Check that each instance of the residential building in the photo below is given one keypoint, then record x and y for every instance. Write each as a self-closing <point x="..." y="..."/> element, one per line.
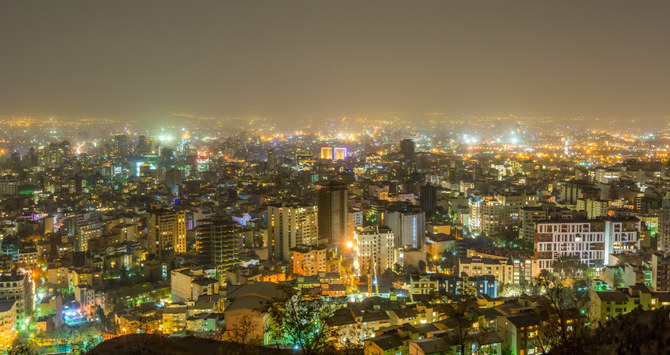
<point x="166" y="232"/>
<point x="174" y="318"/>
<point x="664" y="227"/>
<point x="308" y="261"/>
<point x="501" y="269"/>
<point x="486" y="216"/>
<point x="218" y="242"/>
<point x="528" y="216"/>
<point x="374" y="248"/>
<point x="408" y="224"/>
<point x="660" y="272"/>
<point x="8" y="323"/>
<point x="189" y="284"/>
<point x="519" y="333"/>
<point x="16" y="287"/>
<point x="606" y="305"/>
<point x="592" y="241"/>
<point x="473" y="286"/>
<point x="290" y="225"/>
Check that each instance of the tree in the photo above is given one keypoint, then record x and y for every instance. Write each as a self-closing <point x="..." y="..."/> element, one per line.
<point x="300" y="322"/>
<point x="559" y="308"/>
<point x="388" y="276"/>
<point x="422" y="266"/>
<point x="397" y="268"/>
<point x="242" y="330"/>
<point x="21" y="347"/>
<point x="568" y="267"/>
<point x="511" y="290"/>
<point x="448" y="261"/>
<point x="100" y="313"/>
<point x="464" y="320"/>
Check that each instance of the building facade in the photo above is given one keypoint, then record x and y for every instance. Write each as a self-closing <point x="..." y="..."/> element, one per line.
<point x="166" y="232"/>
<point x="290" y="225"/>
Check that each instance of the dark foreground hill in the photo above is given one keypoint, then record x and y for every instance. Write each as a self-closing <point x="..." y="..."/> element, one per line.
<point x="152" y="344"/>
<point x="638" y="332"/>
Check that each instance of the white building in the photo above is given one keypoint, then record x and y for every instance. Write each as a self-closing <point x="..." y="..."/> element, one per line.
<point x="592" y="241"/>
<point x="373" y="247"/>
<point x="408" y="226"/>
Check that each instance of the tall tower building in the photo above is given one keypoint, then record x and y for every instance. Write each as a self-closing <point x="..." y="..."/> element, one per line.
<point x="290" y="225"/>
<point x="327" y="153"/>
<point x="333" y="209"/>
<point x="407" y="149"/>
<point x="339" y="153"/>
<point x="87" y="227"/>
<point x="218" y="242"/>
<point x="121" y="145"/>
<point x="166" y="231"/>
<point x="428" y="198"/>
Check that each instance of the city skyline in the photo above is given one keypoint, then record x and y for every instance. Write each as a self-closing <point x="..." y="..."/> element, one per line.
<point x="334" y="177"/>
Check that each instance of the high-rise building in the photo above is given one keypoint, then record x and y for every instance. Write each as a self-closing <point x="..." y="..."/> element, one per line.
<point x="56" y="153"/>
<point x="218" y="242"/>
<point x="407" y="149"/>
<point x="87" y="227"/>
<point x="486" y="216"/>
<point x="512" y="203"/>
<point x="166" y="231"/>
<point x="355" y="220"/>
<point x="333" y="153"/>
<point x="142" y="146"/>
<point x="660" y="272"/>
<point x="308" y="261"/>
<point x="332" y="204"/>
<point x="339" y="153"/>
<point x="664" y="227"/>
<point x="121" y="145"/>
<point x="592" y="241"/>
<point x="374" y="247"/>
<point x="327" y="153"/>
<point x="290" y="225"/>
<point x="428" y="198"/>
<point x="408" y="225"/>
<point x="571" y="191"/>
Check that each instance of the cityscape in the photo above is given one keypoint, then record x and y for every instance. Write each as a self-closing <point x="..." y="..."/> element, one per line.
<point x="141" y="218"/>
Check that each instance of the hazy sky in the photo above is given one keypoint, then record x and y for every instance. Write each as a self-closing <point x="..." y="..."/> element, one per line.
<point x="286" y="59"/>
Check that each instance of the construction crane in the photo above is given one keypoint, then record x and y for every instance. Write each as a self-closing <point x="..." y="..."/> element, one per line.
<point x="374" y="266"/>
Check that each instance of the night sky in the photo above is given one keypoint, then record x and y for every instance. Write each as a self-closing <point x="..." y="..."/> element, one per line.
<point x="287" y="59"/>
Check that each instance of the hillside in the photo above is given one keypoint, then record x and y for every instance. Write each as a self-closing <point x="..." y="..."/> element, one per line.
<point x="150" y="344"/>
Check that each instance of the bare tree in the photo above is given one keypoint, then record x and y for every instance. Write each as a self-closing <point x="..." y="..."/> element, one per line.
<point x="241" y="332"/>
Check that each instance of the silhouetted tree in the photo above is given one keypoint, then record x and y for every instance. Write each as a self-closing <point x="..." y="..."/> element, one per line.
<point x="300" y="322"/>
